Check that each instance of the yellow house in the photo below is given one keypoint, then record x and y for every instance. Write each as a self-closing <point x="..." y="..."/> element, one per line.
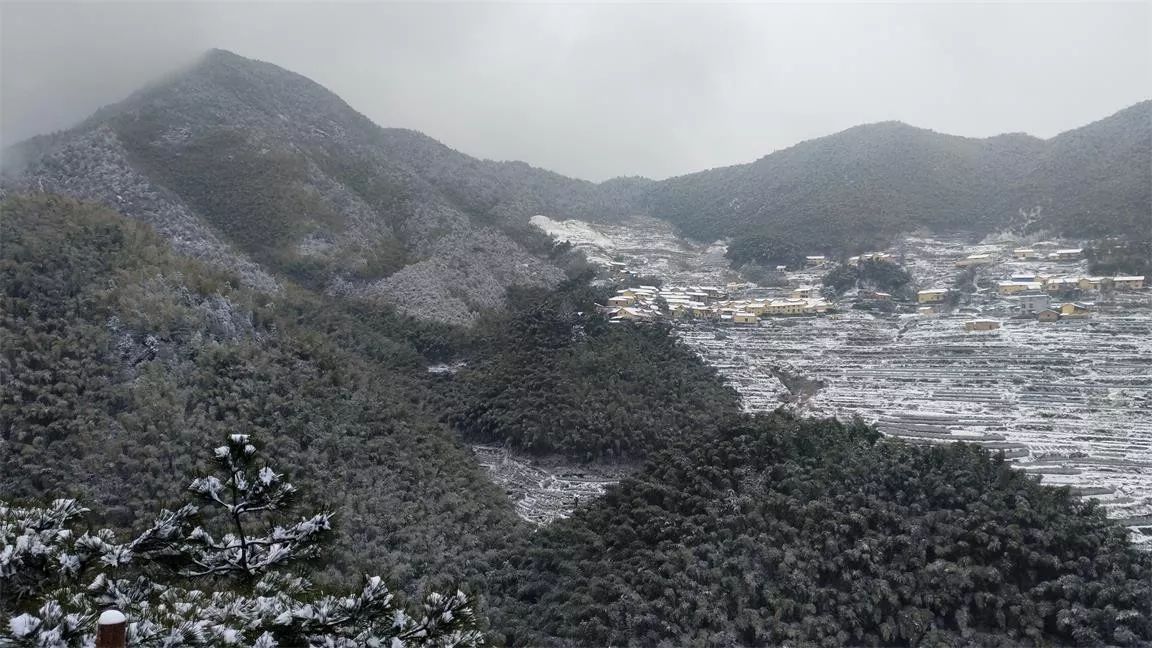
<point x="622" y="300"/>
<point x="931" y="295"/>
<point x="1013" y="287"/>
<point x="1075" y="310"/>
<point x="1063" y="283"/>
<point x="1068" y="254"/>
<point x="981" y="325"/>
<point x="1089" y="283"/>
<point x="757" y="308"/>
<point x="744" y="318"/>
<point x="1025" y="253"/>
<point x="630" y="314"/>
<point x="1048" y="315"/>
<point x="814" y="260"/>
<point x="786" y="307"/>
<point x="1128" y="283"/>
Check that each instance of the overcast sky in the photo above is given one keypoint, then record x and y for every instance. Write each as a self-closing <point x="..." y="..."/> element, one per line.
<point x="596" y="91"/>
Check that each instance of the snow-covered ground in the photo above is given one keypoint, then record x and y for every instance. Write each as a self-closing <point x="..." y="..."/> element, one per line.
<point x="1070" y="401"/>
<point x="649" y="246"/>
<point x="541" y="493"/>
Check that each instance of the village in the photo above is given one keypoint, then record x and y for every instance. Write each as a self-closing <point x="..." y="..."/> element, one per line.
<point x="1046" y="292"/>
<point x="1015" y="347"/>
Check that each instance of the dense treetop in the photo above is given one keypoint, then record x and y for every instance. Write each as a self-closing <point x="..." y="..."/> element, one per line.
<point x="778" y="531"/>
<point x="120" y="359"/>
<point x="555" y="376"/>
<point x="853" y="191"/>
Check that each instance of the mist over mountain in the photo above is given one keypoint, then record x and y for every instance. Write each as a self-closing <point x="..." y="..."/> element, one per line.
<point x="261" y="171"/>
<point x="266" y="173"/>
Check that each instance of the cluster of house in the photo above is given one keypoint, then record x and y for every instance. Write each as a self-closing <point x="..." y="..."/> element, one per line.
<point x="1032" y="294"/>
<point x="1032" y="254"/>
<point x="1033" y="302"/>
<point x="1023" y="254"/>
<point x="650" y="302"/>
<point x="1043" y="283"/>
<point x="1041" y="307"/>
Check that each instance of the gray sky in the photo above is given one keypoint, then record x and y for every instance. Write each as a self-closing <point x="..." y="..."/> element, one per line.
<point x="596" y="91"/>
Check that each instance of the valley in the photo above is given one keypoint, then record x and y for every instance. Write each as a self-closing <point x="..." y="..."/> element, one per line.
<point x="630" y="412"/>
<point x="1069" y="401"/>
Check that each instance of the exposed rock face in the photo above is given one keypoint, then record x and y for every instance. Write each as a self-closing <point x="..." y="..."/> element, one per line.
<point x="268" y="175"/>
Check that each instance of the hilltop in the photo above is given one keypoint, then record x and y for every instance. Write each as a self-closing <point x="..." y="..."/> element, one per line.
<point x="859" y="188"/>
<point x="265" y="173"/>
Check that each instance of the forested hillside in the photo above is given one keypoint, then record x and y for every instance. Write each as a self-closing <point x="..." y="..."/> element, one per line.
<point x="777" y="531"/>
<point x="554" y="376"/>
<point x="1096" y="181"/>
<point x="855" y="190"/>
<point x="261" y="171"/>
<point x="122" y="360"/>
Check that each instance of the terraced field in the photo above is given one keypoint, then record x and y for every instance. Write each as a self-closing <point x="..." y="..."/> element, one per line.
<point x="543" y="493"/>
<point x="1070" y="401"/>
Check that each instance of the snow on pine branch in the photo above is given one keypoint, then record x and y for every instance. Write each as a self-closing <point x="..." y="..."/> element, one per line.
<point x="56" y="579"/>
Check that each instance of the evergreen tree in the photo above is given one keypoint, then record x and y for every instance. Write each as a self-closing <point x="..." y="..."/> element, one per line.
<point x="182" y="585"/>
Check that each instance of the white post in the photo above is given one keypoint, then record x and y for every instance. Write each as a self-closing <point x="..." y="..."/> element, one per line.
<point x="111" y="629"/>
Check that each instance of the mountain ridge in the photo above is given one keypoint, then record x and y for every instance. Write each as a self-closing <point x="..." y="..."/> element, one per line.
<point x="861" y="187"/>
<point x="266" y="173"/>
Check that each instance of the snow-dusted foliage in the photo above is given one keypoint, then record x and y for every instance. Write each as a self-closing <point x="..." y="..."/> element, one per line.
<point x="181" y="584"/>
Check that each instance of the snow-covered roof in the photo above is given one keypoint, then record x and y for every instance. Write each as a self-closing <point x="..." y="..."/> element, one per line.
<point x="932" y="291"/>
<point x="1126" y="278"/>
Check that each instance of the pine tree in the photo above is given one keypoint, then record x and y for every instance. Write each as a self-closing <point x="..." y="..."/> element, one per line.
<point x="182" y="585"/>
